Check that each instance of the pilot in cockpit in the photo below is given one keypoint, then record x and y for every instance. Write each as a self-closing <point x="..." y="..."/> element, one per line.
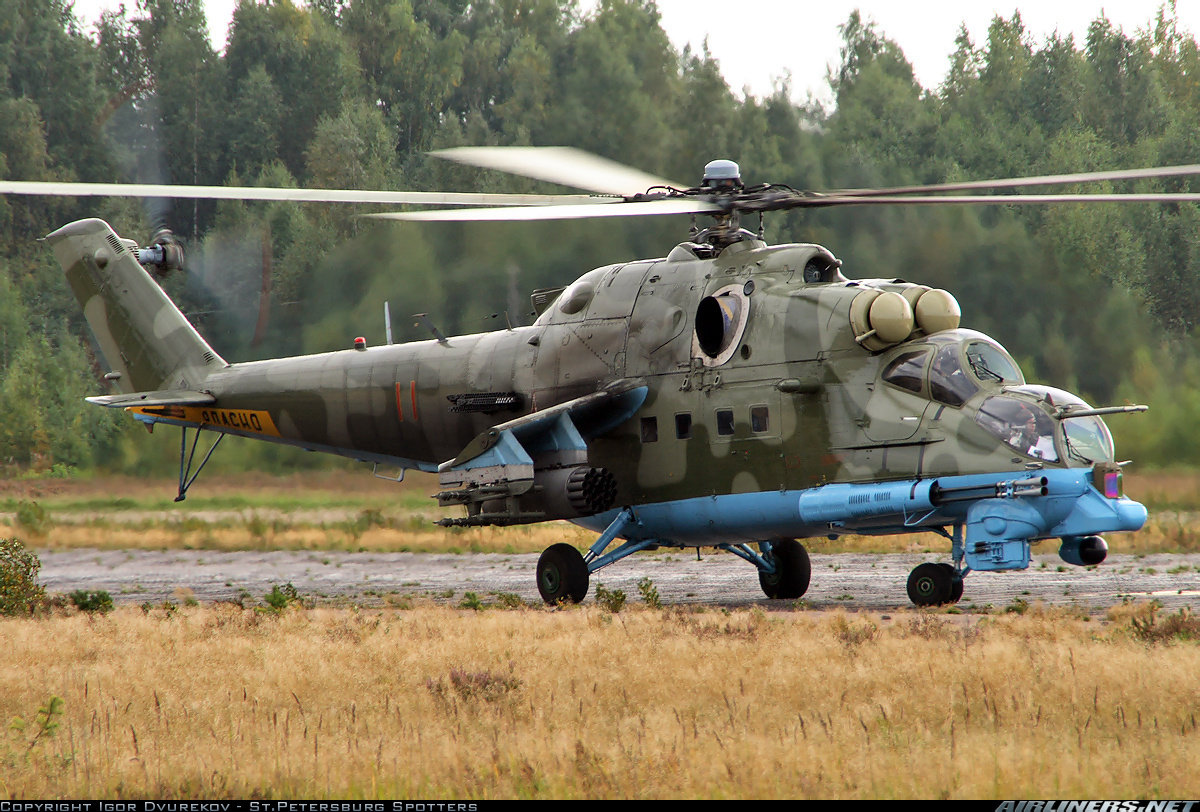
<point x="1031" y="437"/>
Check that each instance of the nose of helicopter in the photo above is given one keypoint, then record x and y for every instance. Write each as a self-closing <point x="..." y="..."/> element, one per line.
<point x="1101" y="507"/>
<point x="1132" y="515"/>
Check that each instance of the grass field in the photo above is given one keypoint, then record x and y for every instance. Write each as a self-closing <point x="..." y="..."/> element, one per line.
<point x="356" y="511"/>
<point x="433" y="702"/>
<point x="225" y="701"/>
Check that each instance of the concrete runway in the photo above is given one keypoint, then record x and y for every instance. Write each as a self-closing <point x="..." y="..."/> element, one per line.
<point x="849" y="581"/>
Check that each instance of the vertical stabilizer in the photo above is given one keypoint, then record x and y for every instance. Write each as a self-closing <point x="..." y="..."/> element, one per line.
<point x="141" y="332"/>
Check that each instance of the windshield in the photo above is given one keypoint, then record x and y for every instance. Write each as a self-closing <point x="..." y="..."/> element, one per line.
<point x="1085" y="439"/>
<point x="1019" y="425"/>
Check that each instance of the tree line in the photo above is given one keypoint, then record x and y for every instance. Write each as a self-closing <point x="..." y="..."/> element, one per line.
<point x="1100" y="299"/>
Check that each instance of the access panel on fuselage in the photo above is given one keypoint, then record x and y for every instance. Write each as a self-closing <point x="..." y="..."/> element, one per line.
<point x="412" y="442"/>
<point x="660" y="329"/>
<point x="578" y="352"/>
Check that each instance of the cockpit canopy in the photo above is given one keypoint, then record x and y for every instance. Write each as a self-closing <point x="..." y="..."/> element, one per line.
<point x="1021" y="425"/>
<point x="953" y="366"/>
<point x="1085" y="440"/>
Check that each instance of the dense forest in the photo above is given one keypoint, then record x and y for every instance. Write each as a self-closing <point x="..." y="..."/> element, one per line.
<point x="1100" y="299"/>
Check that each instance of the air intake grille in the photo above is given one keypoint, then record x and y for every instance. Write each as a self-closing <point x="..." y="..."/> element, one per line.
<point x="543" y="298"/>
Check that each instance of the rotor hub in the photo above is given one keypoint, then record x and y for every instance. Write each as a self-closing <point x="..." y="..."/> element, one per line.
<point x="722" y="174"/>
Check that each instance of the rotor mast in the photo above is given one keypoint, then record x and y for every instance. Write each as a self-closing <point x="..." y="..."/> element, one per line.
<point x="722" y="178"/>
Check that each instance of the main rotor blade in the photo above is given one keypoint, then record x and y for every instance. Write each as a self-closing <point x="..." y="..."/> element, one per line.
<point x="562" y="165"/>
<point x="568" y="212"/>
<point x="995" y="200"/>
<point x="1016" y="183"/>
<point x="15" y="187"/>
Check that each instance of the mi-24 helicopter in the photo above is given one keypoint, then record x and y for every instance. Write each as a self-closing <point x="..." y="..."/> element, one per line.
<point x="732" y="394"/>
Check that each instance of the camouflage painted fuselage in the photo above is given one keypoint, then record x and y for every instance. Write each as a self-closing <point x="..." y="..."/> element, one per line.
<point x="771" y="393"/>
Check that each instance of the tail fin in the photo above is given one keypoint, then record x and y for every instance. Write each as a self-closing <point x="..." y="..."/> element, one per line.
<point x="141" y="332"/>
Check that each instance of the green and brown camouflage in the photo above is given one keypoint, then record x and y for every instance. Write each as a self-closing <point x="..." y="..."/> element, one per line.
<point x="146" y="341"/>
<point x="786" y="399"/>
<point x="692" y="400"/>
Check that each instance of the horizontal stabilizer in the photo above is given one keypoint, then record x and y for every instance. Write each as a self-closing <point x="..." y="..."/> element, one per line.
<point x="167" y="397"/>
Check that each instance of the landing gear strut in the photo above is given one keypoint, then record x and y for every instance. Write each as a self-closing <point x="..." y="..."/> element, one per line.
<point x="186" y="475"/>
<point x="563" y="573"/>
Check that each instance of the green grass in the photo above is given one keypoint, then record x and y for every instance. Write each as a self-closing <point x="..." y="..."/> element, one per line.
<point x="316" y="500"/>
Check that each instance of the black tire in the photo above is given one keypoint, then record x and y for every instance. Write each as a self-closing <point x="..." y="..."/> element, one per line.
<point x="931" y="585"/>
<point x="792" y="571"/>
<point x="562" y="574"/>
<point x="956" y="583"/>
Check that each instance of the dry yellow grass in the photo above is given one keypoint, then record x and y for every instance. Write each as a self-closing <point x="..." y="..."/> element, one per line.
<point x="1164" y="533"/>
<point x="373" y="515"/>
<point x="302" y="536"/>
<point x="217" y="701"/>
<point x="1178" y="489"/>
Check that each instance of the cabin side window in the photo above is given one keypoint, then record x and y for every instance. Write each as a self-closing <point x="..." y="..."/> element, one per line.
<point x="725" y="422"/>
<point x="649" y="429"/>
<point x="760" y="419"/>
<point x="683" y="425"/>
<point x="907" y="370"/>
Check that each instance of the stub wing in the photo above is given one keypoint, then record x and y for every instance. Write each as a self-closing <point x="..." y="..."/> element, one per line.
<point x="590" y="415"/>
<point x="536" y="466"/>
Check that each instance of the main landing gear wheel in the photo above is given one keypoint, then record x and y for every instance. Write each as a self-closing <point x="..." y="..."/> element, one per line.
<point x="562" y="574"/>
<point x="933" y="585"/>
<point x="792" y="571"/>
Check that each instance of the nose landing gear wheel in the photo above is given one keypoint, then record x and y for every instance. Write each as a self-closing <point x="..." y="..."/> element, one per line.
<point x="792" y="571"/>
<point x="562" y="574"/>
<point x="932" y="585"/>
<point x="956" y="583"/>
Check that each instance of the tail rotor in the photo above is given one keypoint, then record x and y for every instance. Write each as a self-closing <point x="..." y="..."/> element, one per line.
<point x="165" y="254"/>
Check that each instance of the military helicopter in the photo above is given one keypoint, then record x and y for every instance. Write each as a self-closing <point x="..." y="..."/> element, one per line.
<point x="732" y="394"/>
